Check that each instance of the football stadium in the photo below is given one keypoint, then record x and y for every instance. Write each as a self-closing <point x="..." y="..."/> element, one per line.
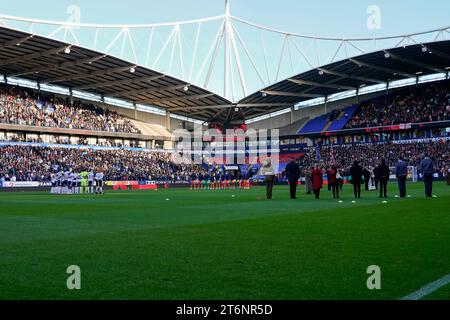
<point x="223" y="158"/>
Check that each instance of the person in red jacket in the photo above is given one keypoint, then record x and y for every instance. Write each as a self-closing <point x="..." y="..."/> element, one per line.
<point x="317" y="180"/>
<point x="332" y="181"/>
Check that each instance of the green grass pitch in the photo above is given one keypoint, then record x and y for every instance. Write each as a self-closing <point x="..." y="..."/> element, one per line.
<point x="229" y="244"/>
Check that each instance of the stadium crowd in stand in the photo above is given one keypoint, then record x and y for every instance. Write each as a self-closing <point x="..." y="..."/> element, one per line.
<point x="415" y="105"/>
<point x="370" y="155"/>
<point x="24" y="107"/>
<point x="27" y="163"/>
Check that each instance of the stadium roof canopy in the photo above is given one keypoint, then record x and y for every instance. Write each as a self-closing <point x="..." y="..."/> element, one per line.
<point x="355" y="73"/>
<point x="48" y="61"/>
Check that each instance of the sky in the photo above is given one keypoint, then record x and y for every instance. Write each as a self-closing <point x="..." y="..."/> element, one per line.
<point x="346" y="18"/>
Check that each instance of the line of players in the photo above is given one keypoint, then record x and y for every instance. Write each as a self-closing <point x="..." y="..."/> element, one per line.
<point x="69" y="182"/>
<point x="217" y="182"/>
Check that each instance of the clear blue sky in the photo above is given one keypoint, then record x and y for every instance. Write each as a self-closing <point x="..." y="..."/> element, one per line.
<point x="346" y="18"/>
<point x="324" y="17"/>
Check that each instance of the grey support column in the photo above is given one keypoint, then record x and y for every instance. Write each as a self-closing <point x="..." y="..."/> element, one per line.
<point x="168" y="120"/>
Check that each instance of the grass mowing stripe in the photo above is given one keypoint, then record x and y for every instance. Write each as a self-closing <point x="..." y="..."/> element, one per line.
<point x="428" y="289"/>
<point x="204" y="245"/>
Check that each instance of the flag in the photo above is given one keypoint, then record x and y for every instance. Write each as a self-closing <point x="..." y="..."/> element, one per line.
<point x="317" y="153"/>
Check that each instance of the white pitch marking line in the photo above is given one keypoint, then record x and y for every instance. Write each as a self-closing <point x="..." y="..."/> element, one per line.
<point x="429" y="288"/>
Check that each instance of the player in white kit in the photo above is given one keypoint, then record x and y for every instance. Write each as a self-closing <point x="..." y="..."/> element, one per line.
<point x="99" y="182"/>
<point x="91" y="182"/>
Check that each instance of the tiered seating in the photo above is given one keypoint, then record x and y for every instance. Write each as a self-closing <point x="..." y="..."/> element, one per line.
<point x="344" y="117"/>
<point x="316" y="124"/>
<point x="323" y="122"/>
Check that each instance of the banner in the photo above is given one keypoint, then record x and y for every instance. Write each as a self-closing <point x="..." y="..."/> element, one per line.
<point x="163" y="182"/>
<point x="20" y="184"/>
<point x="121" y="183"/>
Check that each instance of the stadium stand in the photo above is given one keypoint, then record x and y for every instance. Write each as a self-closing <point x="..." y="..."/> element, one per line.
<point x="343" y="118"/>
<point x="31" y="163"/>
<point x="36" y="163"/>
<point x="428" y="103"/>
<point x="370" y="155"/>
<point x="332" y="121"/>
<point x="316" y="124"/>
<point x="293" y="128"/>
<point x="20" y="106"/>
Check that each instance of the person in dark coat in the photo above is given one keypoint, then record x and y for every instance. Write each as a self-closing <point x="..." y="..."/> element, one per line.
<point x="366" y="174"/>
<point x="356" y="173"/>
<point x="317" y="180"/>
<point x="333" y="181"/>
<point x="293" y="174"/>
<point x="383" y="177"/>
<point x="427" y="169"/>
<point x="375" y="173"/>
<point x="401" y="171"/>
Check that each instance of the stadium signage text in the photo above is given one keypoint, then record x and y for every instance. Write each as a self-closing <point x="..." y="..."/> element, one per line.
<point x="229" y="309"/>
<point x="23" y="184"/>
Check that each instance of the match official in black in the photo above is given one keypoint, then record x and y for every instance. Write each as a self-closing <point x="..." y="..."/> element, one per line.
<point x="293" y="174"/>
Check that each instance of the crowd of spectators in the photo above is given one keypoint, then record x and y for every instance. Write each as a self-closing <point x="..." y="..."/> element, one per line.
<point x="27" y="163"/>
<point x="30" y="163"/>
<point x="26" y="107"/>
<point x="426" y="103"/>
<point x="370" y="155"/>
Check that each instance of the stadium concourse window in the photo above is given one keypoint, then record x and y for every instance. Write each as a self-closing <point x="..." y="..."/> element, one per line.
<point x="159" y="144"/>
<point x="150" y="109"/>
